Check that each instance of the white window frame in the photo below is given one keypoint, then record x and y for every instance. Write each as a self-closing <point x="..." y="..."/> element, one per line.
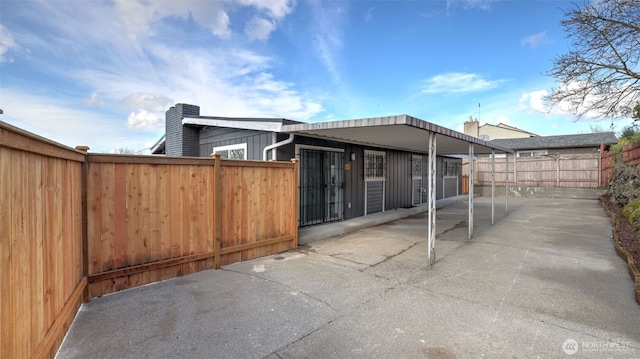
<point x="533" y="153"/>
<point x="237" y="146"/>
<point x="384" y="165"/>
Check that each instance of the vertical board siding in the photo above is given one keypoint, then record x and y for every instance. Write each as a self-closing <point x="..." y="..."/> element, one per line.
<point x="571" y="171"/>
<point x="40" y="243"/>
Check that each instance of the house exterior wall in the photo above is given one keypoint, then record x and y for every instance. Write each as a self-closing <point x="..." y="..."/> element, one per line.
<point x="495" y="132"/>
<point x="397" y="185"/>
<point x="574" y="151"/>
<point x="256" y="141"/>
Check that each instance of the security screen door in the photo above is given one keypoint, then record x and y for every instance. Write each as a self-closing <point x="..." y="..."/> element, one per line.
<point x="321" y="186"/>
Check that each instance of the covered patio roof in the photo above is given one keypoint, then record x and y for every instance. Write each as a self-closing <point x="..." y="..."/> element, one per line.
<point x="401" y="132"/>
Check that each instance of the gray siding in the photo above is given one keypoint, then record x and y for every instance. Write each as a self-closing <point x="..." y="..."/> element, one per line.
<point x="256" y="141"/>
<point x="398" y="183"/>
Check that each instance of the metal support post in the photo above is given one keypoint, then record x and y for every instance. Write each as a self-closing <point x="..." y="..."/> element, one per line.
<point x="471" y="175"/>
<point x="431" y="241"/>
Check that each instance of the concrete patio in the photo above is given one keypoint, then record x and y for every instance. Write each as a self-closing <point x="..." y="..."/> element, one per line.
<point x="544" y="281"/>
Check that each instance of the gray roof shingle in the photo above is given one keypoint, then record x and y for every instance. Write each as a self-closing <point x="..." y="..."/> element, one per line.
<point x="563" y="141"/>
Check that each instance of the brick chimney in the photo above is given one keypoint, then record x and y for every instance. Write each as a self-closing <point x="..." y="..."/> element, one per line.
<point x="181" y="140"/>
<point x="472" y="127"/>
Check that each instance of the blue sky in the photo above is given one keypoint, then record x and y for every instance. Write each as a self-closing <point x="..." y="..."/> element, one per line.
<point x="102" y="73"/>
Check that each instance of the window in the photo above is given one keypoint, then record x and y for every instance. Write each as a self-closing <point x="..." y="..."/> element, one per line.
<point x="533" y="153"/>
<point x="450" y="168"/>
<point x="416" y="166"/>
<point x="232" y="152"/>
<point x="375" y="166"/>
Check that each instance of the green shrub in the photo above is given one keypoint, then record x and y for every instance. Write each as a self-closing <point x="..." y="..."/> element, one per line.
<point x="632" y="211"/>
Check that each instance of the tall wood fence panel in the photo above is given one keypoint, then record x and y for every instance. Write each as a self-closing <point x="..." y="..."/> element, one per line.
<point x="41" y="278"/>
<point x="153" y="218"/>
<point x="258" y="209"/>
<point x="573" y="171"/>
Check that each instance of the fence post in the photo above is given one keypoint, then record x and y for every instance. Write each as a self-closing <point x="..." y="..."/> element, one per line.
<point x="217" y="205"/>
<point x="84" y="168"/>
<point x="515" y="169"/>
<point x="558" y="170"/>
<point x="294" y="209"/>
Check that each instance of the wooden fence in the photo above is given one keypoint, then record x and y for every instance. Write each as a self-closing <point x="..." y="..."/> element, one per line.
<point x="154" y="218"/>
<point x="574" y="171"/>
<point x="74" y="226"/>
<point x="41" y="276"/>
<point x="630" y="155"/>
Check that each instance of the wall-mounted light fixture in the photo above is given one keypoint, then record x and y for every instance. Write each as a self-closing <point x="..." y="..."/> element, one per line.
<point x="353" y="156"/>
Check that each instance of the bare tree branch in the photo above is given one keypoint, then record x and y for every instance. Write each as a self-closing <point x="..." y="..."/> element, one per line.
<point x="600" y="73"/>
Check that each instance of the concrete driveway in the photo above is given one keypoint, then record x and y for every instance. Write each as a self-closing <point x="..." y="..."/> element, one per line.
<point x="543" y="282"/>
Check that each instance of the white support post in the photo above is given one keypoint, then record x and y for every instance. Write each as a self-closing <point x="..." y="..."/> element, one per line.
<point x="493" y="185"/>
<point x="431" y="161"/>
<point x="471" y="175"/>
<point x="506" y="185"/>
<point x="515" y="169"/>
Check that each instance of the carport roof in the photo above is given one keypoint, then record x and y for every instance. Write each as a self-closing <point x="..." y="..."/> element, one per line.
<point x="401" y="132"/>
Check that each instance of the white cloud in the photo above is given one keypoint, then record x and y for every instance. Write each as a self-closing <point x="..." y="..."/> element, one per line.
<point x="66" y="122"/>
<point x="471" y="4"/>
<point x="134" y="74"/>
<point x="94" y="101"/>
<point x="144" y="120"/>
<point x="6" y="43"/>
<point x="138" y="16"/>
<point x="147" y="101"/>
<point x="276" y="9"/>
<point x="533" y="101"/>
<point x="458" y="82"/>
<point x="328" y="40"/>
<point x="535" y="40"/>
<point x="259" y="28"/>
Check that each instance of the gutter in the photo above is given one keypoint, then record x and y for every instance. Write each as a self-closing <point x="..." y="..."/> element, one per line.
<point x="276" y="145"/>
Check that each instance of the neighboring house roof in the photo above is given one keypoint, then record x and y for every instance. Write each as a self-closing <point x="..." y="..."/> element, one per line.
<point x="511" y="128"/>
<point x="563" y="141"/>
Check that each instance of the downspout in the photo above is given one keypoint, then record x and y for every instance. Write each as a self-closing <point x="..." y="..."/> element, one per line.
<point x="276" y="145"/>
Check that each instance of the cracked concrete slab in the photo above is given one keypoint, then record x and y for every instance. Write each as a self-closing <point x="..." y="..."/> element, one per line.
<point x="543" y="281"/>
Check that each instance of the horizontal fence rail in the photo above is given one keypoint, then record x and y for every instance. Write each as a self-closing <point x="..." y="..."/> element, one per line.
<point x="574" y="171"/>
<point x="75" y="226"/>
